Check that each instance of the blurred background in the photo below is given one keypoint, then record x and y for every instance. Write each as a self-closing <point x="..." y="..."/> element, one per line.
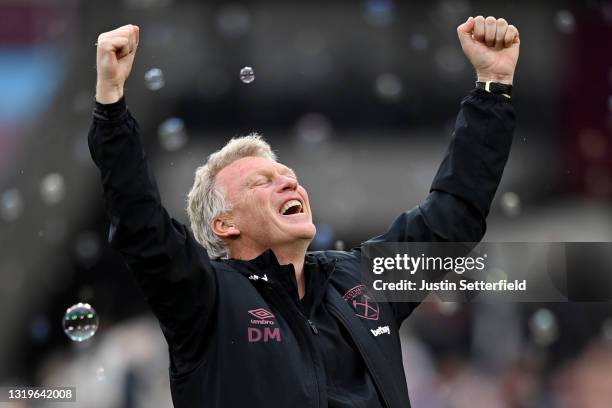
<point x="359" y="97"/>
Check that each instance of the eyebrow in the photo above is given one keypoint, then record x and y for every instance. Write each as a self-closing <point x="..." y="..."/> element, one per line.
<point x="282" y="170"/>
<point x="287" y="170"/>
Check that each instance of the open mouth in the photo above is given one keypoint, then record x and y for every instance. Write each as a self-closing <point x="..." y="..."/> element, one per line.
<point x="292" y="207"/>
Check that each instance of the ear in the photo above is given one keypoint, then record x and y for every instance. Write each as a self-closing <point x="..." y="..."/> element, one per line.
<point x="224" y="227"/>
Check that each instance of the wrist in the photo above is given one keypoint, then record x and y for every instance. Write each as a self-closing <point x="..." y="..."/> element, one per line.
<point x="107" y="94"/>
<point x="502" y="79"/>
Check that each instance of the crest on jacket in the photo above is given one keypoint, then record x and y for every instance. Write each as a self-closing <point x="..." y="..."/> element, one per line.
<point x="363" y="303"/>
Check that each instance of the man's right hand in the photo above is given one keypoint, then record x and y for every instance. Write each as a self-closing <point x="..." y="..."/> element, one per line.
<point x="116" y="51"/>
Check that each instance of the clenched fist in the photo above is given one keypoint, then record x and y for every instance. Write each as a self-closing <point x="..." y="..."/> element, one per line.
<point x="115" y="56"/>
<point x="492" y="46"/>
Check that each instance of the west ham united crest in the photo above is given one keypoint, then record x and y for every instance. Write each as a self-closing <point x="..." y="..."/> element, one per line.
<point x="363" y="303"/>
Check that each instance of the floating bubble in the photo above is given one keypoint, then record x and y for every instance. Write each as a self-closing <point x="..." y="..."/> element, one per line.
<point x="11" y="205"/>
<point x="247" y="75"/>
<point x="101" y="374"/>
<point x="234" y="20"/>
<point x="172" y="135"/>
<point x="52" y="188"/>
<point x="544" y="328"/>
<point x="496" y="275"/>
<point x="450" y="61"/>
<point x="154" y="79"/>
<point x="80" y="322"/>
<point x="379" y="13"/>
<point x="313" y="128"/>
<point x="388" y="87"/>
<point x="566" y="22"/>
<point x="511" y="204"/>
<point x="87" y="248"/>
<point x="447" y="308"/>
<point x="339" y="245"/>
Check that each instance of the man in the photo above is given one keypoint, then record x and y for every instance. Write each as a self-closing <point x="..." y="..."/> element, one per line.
<point x="251" y="318"/>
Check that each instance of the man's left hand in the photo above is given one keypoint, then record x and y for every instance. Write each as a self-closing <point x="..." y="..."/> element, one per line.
<point x="492" y="46"/>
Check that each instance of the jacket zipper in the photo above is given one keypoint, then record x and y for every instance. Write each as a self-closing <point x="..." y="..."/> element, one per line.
<point x="314" y="330"/>
<point x="365" y="356"/>
<point x="308" y="321"/>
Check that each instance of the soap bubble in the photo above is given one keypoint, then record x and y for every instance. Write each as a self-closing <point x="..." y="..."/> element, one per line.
<point x="247" y="75"/>
<point x="388" y="87"/>
<point x="565" y="21"/>
<point x="154" y="79"/>
<point x="313" y="128"/>
<point x="339" y="245"/>
<point x="80" y="322"/>
<point x="52" y="188"/>
<point x="450" y="61"/>
<point x="447" y="308"/>
<point x="87" y="248"/>
<point x="172" y="135"/>
<point x="511" y="204"/>
<point x="544" y="328"/>
<point x="11" y="204"/>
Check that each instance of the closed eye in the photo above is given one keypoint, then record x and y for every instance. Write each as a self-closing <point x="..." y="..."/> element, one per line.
<point x="260" y="181"/>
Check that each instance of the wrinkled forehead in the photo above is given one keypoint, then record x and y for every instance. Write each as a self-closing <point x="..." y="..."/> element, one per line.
<point x="242" y="169"/>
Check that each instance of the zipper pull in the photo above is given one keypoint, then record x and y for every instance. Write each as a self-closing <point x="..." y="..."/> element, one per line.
<point x="313" y="327"/>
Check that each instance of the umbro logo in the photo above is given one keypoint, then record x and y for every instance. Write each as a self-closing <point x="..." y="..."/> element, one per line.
<point x="263" y="317"/>
<point x="261" y="313"/>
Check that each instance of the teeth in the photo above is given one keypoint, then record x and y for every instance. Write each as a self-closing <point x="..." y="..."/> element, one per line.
<point x="290" y="204"/>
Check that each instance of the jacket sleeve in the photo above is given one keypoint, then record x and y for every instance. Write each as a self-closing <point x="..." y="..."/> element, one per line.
<point x="172" y="269"/>
<point x="462" y="191"/>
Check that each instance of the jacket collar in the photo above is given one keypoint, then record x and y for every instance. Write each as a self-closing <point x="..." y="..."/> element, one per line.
<point x="267" y="262"/>
<point x="266" y="270"/>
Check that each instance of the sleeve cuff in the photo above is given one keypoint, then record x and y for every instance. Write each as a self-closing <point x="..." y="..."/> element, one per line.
<point x="111" y="111"/>
<point x="490" y="96"/>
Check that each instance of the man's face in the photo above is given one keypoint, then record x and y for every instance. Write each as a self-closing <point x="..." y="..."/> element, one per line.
<point x="269" y="207"/>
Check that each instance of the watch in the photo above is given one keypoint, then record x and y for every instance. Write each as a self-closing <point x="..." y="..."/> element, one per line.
<point x="495" y="88"/>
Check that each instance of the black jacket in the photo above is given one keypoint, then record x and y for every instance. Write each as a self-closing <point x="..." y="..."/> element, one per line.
<point x="235" y="336"/>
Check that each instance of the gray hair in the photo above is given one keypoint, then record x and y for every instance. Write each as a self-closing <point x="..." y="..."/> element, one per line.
<point x="206" y="200"/>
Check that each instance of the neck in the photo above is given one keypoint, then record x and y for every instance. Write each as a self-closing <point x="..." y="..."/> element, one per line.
<point x="292" y="253"/>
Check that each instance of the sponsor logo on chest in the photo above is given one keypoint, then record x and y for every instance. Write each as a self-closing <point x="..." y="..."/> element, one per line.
<point x="381" y="330"/>
<point x="260" y="328"/>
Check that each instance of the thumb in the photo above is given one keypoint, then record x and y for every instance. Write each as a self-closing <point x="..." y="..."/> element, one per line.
<point x="464" y="31"/>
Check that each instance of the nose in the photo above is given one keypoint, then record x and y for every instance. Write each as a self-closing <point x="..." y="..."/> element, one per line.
<point x="287" y="183"/>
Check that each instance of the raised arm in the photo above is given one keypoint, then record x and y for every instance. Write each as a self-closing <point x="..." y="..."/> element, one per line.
<point x="171" y="268"/>
<point x="466" y="182"/>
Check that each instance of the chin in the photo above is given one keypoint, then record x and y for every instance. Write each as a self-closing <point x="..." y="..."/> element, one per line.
<point x="306" y="231"/>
